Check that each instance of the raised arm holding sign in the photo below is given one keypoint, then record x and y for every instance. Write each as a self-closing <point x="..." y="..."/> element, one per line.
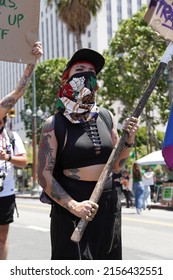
<point x="19" y="25"/>
<point x="9" y="101"/>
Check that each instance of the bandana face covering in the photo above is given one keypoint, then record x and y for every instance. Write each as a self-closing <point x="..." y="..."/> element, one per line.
<point x="77" y="98"/>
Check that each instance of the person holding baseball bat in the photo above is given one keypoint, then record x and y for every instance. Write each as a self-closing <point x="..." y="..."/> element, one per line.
<point x="74" y="147"/>
<point x="7" y="102"/>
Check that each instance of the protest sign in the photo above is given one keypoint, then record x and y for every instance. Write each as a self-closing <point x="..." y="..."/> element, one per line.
<point x="19" y="30"/>
<point x="159" y="15"/>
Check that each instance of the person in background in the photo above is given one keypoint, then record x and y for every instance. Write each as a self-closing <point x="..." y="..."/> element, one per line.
<point x="8" y="159"/>
<point x="148" y="181"/>
<point x="158" y="178"/>
<point x="87" y="146"/>
<point x="149" y="175"/>
<point x="7" y="102"/>
<point x="117" y="182"/>
<point x="138" y="187"/>
<point x="125" y="181"/>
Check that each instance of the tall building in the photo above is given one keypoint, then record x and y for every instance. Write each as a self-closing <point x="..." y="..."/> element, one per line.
<point x="58" y="42"/>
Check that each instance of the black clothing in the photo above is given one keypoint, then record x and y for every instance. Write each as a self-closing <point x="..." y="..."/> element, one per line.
<point x="86" y="144"/>
<point x="7" y="206"/>
<point x="102" y="237"/>
<point x="97" y="148"/>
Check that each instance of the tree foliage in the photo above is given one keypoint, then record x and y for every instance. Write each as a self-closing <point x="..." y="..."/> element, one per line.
<point x="131" y="61"/>
<point x="76" y="14"/>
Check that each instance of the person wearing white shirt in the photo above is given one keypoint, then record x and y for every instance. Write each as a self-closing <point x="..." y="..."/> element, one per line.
<point x="8" y="159"/>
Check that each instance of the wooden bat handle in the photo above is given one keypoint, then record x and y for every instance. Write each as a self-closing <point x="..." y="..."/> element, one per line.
<point x="79" y="230"/>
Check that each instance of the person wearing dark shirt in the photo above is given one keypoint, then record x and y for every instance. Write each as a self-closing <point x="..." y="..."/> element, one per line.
<point x="86" y="148"/>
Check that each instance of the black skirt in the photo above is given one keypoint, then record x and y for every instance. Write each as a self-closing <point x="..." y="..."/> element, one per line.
<point x="102" y="237"/>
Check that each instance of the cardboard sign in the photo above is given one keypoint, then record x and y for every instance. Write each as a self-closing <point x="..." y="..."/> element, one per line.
<point x="19" y="30"/>
<point x="159" y="16"/>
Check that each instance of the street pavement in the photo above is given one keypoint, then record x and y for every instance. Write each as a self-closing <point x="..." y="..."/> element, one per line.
<point x="145" y="237"/>
<point x="154" y="205"/>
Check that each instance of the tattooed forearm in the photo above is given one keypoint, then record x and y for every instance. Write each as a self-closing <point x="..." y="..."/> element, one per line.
<point x="8" y="102"/>
<point x="25" y="79"/>
<point x="57" y="191"/>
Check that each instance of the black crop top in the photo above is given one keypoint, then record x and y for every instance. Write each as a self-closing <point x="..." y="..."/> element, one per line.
<point x="87" y="144"/>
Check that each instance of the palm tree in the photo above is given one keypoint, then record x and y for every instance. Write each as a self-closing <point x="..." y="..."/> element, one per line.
<point x="76" y="14"/>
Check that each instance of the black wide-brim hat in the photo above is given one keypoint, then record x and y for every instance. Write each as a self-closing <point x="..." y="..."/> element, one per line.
<point x="87" y="55"/>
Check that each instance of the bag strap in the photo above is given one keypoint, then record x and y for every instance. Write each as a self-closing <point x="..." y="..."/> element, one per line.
<point x="106" y="117"/>
<point x="11" y="137"/>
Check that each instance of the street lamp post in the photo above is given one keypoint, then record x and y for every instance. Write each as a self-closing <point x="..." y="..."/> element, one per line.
<point x="35" y="114"/>
<point x="34" y="133"/>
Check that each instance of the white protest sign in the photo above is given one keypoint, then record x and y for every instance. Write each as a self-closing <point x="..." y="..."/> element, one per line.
<point x="19" y="30"/>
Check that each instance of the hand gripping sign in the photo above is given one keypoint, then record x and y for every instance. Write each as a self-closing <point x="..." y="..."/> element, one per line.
<point x="155" y="6"/>
<point x="19" y="24"/>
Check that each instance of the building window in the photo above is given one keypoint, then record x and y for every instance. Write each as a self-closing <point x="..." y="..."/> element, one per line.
<point x="47" y="34"/>
<point x="139" y="4"/>
<point x="52" y="37"/>
<point x="57" y="36"/>
<point x="62" y="38"/>
<point x="109" y="20"/>
<point x="119" y="10"/>
<point x="89" y="33"/>
<point x="129" y="8"/>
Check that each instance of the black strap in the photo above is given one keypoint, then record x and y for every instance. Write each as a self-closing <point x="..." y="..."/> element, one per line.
<point x="11" y="138"/>
<point x="106" y="117"/>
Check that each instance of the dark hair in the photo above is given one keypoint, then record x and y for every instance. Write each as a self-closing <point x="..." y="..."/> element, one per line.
<point x="137" y="170"/>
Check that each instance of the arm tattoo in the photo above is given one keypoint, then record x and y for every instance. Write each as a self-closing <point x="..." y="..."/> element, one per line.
<point x="25" y="79"/>
<point x="57" y="191"/>
<point x="47" y="162"/>
<point x="73" y="174"/>
<point x="45" y="154"/>
<point x="8" y="102"/>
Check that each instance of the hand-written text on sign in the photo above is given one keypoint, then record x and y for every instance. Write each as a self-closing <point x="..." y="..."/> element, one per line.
<point x="164" y="11"/>
<point x="11" y="19"/>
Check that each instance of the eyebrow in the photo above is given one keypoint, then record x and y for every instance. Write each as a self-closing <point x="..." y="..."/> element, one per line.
<point x="82" y="66"/>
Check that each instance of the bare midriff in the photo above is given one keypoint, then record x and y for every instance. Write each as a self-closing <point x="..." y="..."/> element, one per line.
<point x="88" y="173"/>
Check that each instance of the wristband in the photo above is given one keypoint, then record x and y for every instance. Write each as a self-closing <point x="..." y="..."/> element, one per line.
<point x="128" y="146"/>
<point x="9" y="158"/>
